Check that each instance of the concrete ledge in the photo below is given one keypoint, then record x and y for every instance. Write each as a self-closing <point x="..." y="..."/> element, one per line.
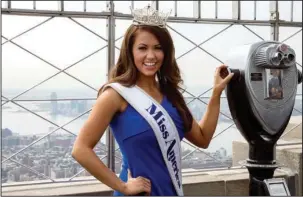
<point x="232" y="182"/>
<point x="92" y="187"/>
<point x="291" y="157"/>
<point x="203" y="184"/>
<point x="287" y="156"/>
<point x="293" y="129"/>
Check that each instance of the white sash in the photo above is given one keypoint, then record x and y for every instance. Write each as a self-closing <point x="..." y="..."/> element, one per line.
<point x="162" y="125"/>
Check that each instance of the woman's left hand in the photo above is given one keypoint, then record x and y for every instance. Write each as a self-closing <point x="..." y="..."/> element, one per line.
<point x="219" y="82"/>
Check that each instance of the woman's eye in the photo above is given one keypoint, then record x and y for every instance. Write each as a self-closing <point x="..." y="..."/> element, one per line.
<point x="142" y="48"/>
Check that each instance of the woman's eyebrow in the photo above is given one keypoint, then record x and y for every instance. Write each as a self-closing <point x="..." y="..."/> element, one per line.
<point x="142" y="44"/>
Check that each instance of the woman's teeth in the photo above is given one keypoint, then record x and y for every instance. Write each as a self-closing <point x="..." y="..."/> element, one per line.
<point x="149" y="64"/>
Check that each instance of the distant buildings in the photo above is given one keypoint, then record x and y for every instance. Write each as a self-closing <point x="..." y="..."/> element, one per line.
<point x="54" y="104"/>
<point x="67" y="108"/>
<point x="52" y="157"/>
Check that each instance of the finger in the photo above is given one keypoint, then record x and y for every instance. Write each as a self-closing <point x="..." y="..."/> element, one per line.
<point x="129" y="176"/>
<point x="143" y="178"/>
<point x="228" y="78"/>
<point x="147" y="180"/>
<point x="143" y="182"/>
<point x="140" y="178"/>
<point x="221" y="70"/>
<point x="147" y="190"/>
<point x="220" y="67"/>
<point x="146" y="184"/>
<point x="223" y="73"/>
<point x="223" y="66"/>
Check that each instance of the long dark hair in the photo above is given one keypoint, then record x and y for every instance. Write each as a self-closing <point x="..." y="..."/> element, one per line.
<point x="126" y="73"/>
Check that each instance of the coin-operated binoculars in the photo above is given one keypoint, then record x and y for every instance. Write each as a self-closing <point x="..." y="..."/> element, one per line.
<point x="261" y="97"/>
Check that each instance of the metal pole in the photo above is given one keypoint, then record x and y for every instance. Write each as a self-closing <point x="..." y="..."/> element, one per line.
<point x="155" y="4"/>
<point x="255" y="10"/>
<point x="9" y="5"/>
<point x="274" y="18"/>
<point x="236" y="10"/>
<point x="34" y="5"/>
<point x="292" y="11"/>
<point x="111" y="60"/>
<point x="216" y="9"/>
<point x="176" y="8"/>
<point x="1" y="98"/>
<point x="61" y="6"/>
<point x="197" y="9"/>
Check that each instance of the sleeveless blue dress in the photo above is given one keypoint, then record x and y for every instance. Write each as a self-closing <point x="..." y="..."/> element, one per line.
<point x="140" y="150"/>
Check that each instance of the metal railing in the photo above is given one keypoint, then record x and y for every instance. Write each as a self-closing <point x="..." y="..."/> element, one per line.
<point x="110" y="15"/>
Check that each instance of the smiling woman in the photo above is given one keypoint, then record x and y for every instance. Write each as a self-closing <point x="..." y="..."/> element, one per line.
<point x="143" y="105"/>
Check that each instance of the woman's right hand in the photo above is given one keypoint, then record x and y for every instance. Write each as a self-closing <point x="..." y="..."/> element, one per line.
<point x="135" y="186"/>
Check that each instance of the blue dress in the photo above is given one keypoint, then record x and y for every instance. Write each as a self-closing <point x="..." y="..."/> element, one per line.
<point x="140" y="150"/>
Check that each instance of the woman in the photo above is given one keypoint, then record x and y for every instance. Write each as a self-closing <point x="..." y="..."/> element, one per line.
<point x="147" y="69"/>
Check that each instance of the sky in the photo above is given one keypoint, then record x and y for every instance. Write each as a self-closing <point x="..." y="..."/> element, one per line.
<point x="62" y="42"/>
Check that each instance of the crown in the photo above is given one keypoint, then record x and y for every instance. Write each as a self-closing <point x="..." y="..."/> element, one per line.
<point x="149" y="16"/>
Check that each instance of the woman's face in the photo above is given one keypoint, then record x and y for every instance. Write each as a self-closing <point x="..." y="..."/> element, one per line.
<point x="148" y="54"/>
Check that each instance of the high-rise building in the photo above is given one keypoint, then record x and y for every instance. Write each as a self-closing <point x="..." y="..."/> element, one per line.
<point x="54" y="104"/>
<point x="47" y="167"/>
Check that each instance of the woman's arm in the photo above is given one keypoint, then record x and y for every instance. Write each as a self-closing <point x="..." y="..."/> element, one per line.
<point x="107" y="104"/>
<point x="202" y="132"/>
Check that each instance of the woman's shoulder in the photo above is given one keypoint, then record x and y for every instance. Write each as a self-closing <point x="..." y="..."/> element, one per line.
<point x="111" y="94"/>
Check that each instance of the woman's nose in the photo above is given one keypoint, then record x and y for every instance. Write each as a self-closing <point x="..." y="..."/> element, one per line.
<point x="150" y="54"/>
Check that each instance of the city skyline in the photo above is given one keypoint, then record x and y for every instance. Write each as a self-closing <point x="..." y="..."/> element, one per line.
<point x="51" y="158"/>
<point x="62" y="112"/>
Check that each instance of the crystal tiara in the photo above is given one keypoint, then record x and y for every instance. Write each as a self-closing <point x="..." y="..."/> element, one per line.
<point x="149" y="16"/>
